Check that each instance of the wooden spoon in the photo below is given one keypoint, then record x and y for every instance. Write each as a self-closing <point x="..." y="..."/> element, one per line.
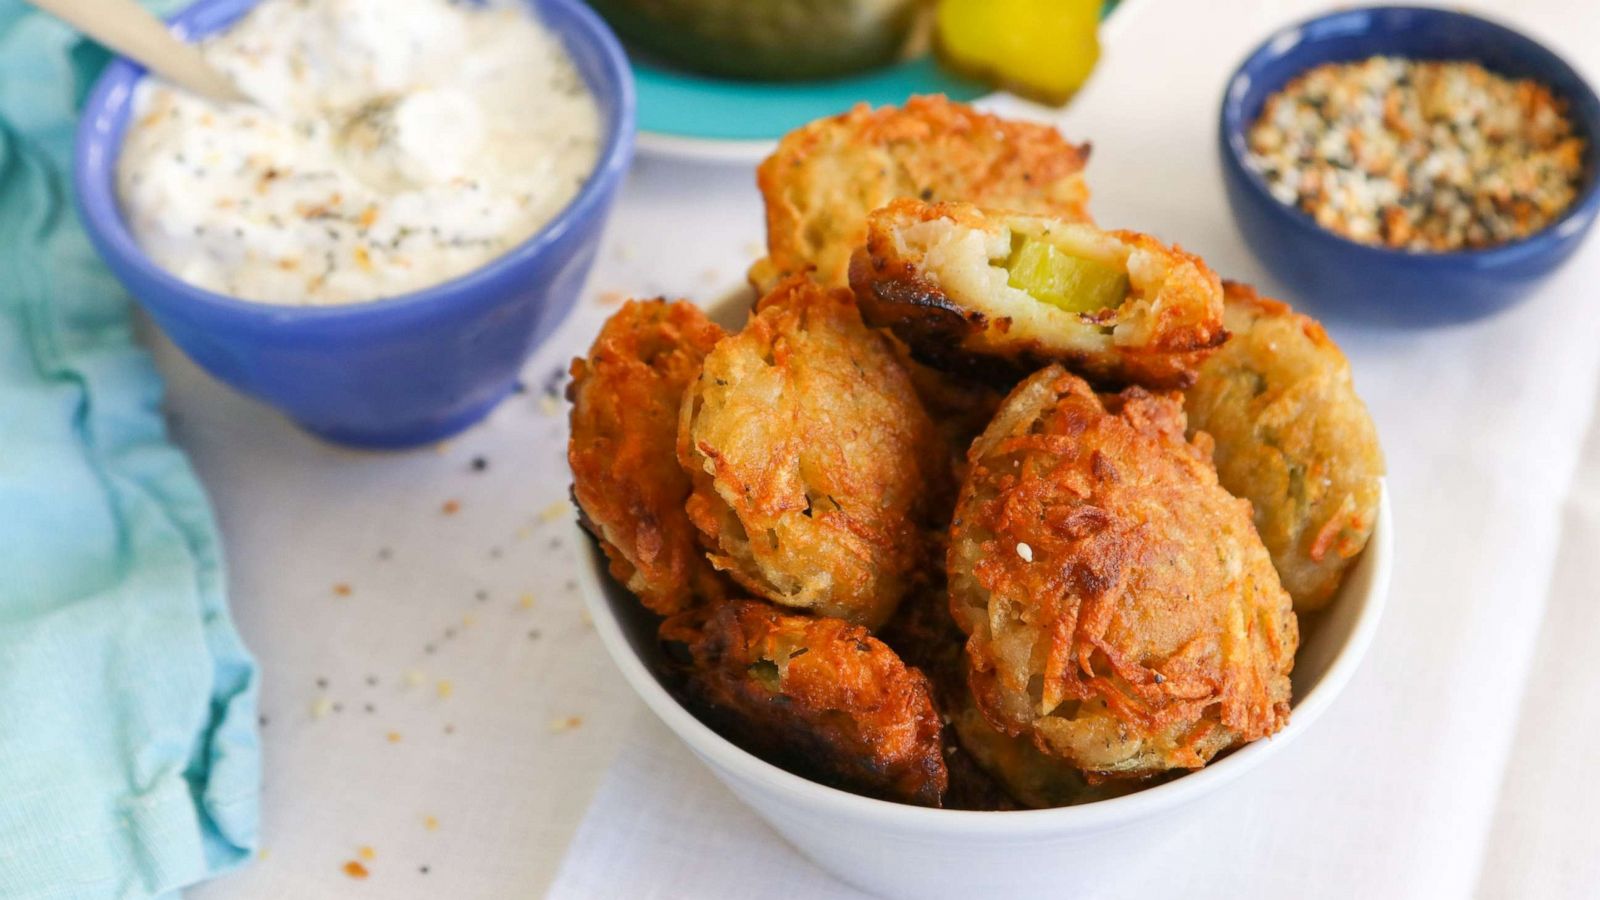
<point x="134" y="32"/>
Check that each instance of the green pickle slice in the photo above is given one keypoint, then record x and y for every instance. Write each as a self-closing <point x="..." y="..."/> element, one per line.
<point x="1067" y="282"/>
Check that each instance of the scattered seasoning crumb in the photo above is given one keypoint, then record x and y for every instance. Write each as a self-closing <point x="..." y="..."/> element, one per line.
<point x="445" y="688"/>
<point x="585" y="618"/>
<point x="451" y="507"/>
<point x="533" y="634"/>
<point x="468" y="620"/>
<point x="393" y="737"/>
<point x="415" y="677"/>
<point x="479" y="464"/>
<point x="495" y="552"/>
<point x="322" y="683"/>
<point x="341" y="590"/>
<point x="567" y="723"/>
<point x="610" y="298"/>
<point x="555" y="382"/>
<point x="554" y="511"/>
<point x="422" y="869"/>
<point x="524" y="533"/>
<point x="1024" y="551"/>
<point x="481" y="596"/>
<point x="441" y="448"/>
<point x="355" y="869"/>
<point x="549" y="405"/>
<point x="570" y="586"/>
<point x="525" y="601"/>
<point x="370" y="708"/>
<point x="385" y="553"/>
<point x="372" y="681"/>
<point x="430" y="823"/>
<point x="338" y="707"/>
<point x="263" y="853"/>
<point x="449" y="633"/>
<point x="261" y="721"/>
<point x="429" y="648"/>
<point x="449" y="729"/>
<point x="321" y="707"/>
<point x="367" y="853"/>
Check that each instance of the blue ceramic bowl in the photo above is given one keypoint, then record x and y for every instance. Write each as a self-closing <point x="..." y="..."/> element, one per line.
<point x="1343" y="279"/>
<point x="390" y="373"/>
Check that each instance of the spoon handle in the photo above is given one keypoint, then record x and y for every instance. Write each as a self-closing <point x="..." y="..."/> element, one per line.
<point x="134" y="32"/>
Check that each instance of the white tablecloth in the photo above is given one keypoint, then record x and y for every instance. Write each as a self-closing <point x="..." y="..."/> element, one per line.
<point x="434" y="697"/>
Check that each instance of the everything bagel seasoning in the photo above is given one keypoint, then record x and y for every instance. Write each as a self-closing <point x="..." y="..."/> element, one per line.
<point x="1422" y="156"/>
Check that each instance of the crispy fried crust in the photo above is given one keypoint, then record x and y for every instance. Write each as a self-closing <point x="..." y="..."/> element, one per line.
<point x="625" y="475"/>
<point x="822" y="698"/>
<point x="1293" y="438"/>
<point x="826" y="176"/>
<point x="1121" y="610"/>
<point x="934" y="273"/>
<point x="959" y="407"/>
<point x="1028" y="775"/>
<point x="815" y="469"/>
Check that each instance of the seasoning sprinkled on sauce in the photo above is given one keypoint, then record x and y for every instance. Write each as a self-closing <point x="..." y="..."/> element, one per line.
<point x="392" y="145"/>
<point x="1422" y="156"/>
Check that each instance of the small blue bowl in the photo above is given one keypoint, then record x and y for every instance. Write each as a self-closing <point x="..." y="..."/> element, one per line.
<point x="1341" y="278"/>
<point x="389" y="373"/>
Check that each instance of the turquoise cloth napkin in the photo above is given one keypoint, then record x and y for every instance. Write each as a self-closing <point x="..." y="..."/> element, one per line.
<point x="129" y="760"/>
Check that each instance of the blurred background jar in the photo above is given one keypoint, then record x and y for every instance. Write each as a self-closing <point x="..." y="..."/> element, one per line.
<point x="777" y="40"/>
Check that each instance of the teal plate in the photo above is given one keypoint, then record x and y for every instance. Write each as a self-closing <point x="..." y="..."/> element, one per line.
<point x="693" y="116"/>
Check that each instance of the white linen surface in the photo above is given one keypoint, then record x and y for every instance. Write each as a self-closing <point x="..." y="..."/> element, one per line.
<point x="1450" y="766"/>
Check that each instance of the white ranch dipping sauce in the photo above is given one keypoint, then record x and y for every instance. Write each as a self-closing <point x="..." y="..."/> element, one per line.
<point x="397" y="144"/>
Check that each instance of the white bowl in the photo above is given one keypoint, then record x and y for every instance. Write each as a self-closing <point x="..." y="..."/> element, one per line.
<point x="909" y="851"/>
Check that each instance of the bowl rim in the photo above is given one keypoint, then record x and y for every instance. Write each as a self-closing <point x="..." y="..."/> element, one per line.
<point x="1284" y="40"/>
<point x="1004" y="824"/>
<point x="100" y="209"/>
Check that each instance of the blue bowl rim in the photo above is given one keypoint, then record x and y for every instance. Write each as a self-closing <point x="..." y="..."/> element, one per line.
<point x="101" y="212"/>
<point x="1231" y="125"/>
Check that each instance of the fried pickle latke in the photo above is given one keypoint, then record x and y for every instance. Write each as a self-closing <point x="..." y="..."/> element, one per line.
<point x="997" y="295"/>
<point x="625" y="475"/>
<point x="1028" y="775"/>
<point x="1121" y="610"/>
<point x="821" y="698"/>
<point x="825" y="177"/>
<point x="1293" y="438"/>
<point x="815" y="468"/>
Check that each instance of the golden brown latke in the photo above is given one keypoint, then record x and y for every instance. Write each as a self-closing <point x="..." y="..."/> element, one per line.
<point x="1293" y="438"/>
<point x="825" y="177"/>
<point x="815" y="468"/>
<point x="1030" y="776"/>
<point x="936" y="274"/>
<point x="960" y="408"/>
<point x="821" y="698"/>
<point x="988" y="770"/>
<point x="1121" y="610"/>
<point x="625" y="474"/>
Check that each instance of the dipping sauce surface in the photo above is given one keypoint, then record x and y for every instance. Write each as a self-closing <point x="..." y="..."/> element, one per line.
<point x="397" y="144"/>
<point x="1422" y="156"/>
